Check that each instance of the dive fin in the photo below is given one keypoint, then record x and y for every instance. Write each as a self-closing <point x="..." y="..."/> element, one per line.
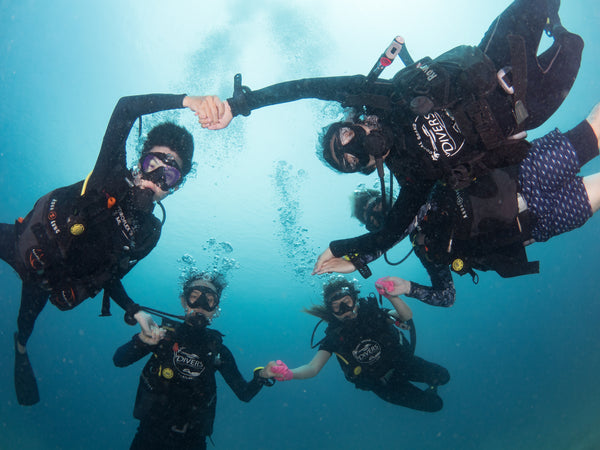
<point x="25" y="384"/>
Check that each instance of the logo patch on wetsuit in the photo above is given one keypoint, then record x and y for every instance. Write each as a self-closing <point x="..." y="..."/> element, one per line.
<point x="438" y="134"/>
<point x="367" y="351"/>
<point x="188" y="365"/>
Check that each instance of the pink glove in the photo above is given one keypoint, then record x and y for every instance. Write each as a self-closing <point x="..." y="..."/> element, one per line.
<point x="384" y="287"/>
<point x="282" y="371"/>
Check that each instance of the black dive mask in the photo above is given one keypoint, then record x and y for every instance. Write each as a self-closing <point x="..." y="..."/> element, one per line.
<point x="204" y="299"/>
<point x="362" y="146"/>
<point x="354" y="147"/>
<point x="166" y="175"/>
<point x="343" y="307"/>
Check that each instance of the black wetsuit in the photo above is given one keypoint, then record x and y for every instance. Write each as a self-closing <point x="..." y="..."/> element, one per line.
<point x="479" y="228"/>
<point x="373" y="357"/>
<point x="71" y="246"/>
<point x="177" y="394"/>
<point x="425" y="146"/>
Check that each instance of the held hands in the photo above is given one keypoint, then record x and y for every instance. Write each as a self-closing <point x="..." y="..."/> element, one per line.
<point x="151" y="333"/>
<point x="392" y="286"/>
<point x="327" y="263"/>
<point x="212" y="113"/>
<point x="279" y="370"/>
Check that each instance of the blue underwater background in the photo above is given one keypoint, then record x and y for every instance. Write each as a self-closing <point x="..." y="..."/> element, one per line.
<point x="524" y="354"/>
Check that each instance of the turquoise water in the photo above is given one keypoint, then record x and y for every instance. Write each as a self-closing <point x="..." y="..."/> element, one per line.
<point x="523" y="353"/>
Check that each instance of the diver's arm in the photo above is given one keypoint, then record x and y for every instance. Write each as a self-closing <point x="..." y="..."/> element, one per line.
<point x="243" y="389"/>
<point x="313" y="367"/>
<point x="371" y="246"/>
<point x="442" y="291"/>
<point x="348" y="90"/>
<point x="112" y="154"/>
<point x="131" y="352"/>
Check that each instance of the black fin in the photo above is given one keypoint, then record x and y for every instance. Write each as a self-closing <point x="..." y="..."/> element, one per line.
<point x="25" y="384"/>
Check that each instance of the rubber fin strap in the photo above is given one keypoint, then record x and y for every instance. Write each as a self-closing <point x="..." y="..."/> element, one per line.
<point x="85" y="183"/>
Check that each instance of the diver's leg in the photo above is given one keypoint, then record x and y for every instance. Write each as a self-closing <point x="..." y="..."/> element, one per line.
<point x="400" y="391"/>
<point x="417" y="369"/>
<point x="560" y="200"/>
<point x="551" y="79"/>
<point x="7" y="243"/>
<point x="592" y="187"/>
<point x="525" y="18"/>
<point x="33" y="300"/>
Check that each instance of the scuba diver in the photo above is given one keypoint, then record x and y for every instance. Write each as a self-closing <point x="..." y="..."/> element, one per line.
<point x="177" y="394"/>
<point x="488" y="225"/>
<point x="81" y="239"/>
<point x="370" y="350"/>
<point x="453" y="118"/>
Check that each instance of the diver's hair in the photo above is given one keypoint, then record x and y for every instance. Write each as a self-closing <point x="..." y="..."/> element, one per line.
<point x="176" y="138"/>
<point x="217" y="279"/>
<point x="333" y="285"/>
<point x="360" y="199"/>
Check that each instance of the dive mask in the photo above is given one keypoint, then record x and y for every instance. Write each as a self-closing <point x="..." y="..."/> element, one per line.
<point x="161" y="169"/>
<point x="355" y="147"/>
<point x="207" y="295"/>
<point x="343" y="307"/>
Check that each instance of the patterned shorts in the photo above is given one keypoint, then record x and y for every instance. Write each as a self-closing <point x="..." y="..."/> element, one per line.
<point x="551" y="187"/>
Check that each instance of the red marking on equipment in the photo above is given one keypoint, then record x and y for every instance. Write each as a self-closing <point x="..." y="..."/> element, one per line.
<point x="385" y="61"/>
<point x="110" y="202"/>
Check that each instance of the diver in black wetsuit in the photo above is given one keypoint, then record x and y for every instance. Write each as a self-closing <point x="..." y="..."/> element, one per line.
<point x="369" y="349"/>
<point x="487" y="225"/>
<point x="177" y="395"/>
<point x="83" y="238"/>
<point x="452" y="119"/>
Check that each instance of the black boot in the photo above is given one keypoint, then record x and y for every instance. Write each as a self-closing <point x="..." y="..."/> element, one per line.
<point x="25" y="384"/>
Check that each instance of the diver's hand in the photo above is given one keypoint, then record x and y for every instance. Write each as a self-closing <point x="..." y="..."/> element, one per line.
<point x="327" y="263"/>
<point x="267" y="371"/>
<point x="392" y="286"/>
<point x="280" y="370"/>
<point x="224" y="120"/>
<point x="151" y="333"/>
<point x="154" y="338"/>
<point x="208" y="108"/>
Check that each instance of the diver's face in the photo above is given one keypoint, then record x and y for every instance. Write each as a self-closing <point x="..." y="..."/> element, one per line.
<point x="203" y="300"/>
<point x="169" y="163"/>
<point x="347" y="152"/>
<point x="344" y="308"/>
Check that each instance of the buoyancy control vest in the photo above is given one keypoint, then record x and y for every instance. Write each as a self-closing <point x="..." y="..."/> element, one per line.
<point x="369" y="349"/>
<point x="479" y="227"/>
<point x="177" y="384"/>
<point x="72" y="243"/>
<point x="464" y="82"/>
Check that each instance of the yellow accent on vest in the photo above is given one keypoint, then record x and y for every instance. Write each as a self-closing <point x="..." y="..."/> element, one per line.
<point x="457" y="265"/>
<point x="167" y="373"/>
<point x="77" y="229"/>
<point x="342" y="358"/>
<point x="85" y="183"/>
